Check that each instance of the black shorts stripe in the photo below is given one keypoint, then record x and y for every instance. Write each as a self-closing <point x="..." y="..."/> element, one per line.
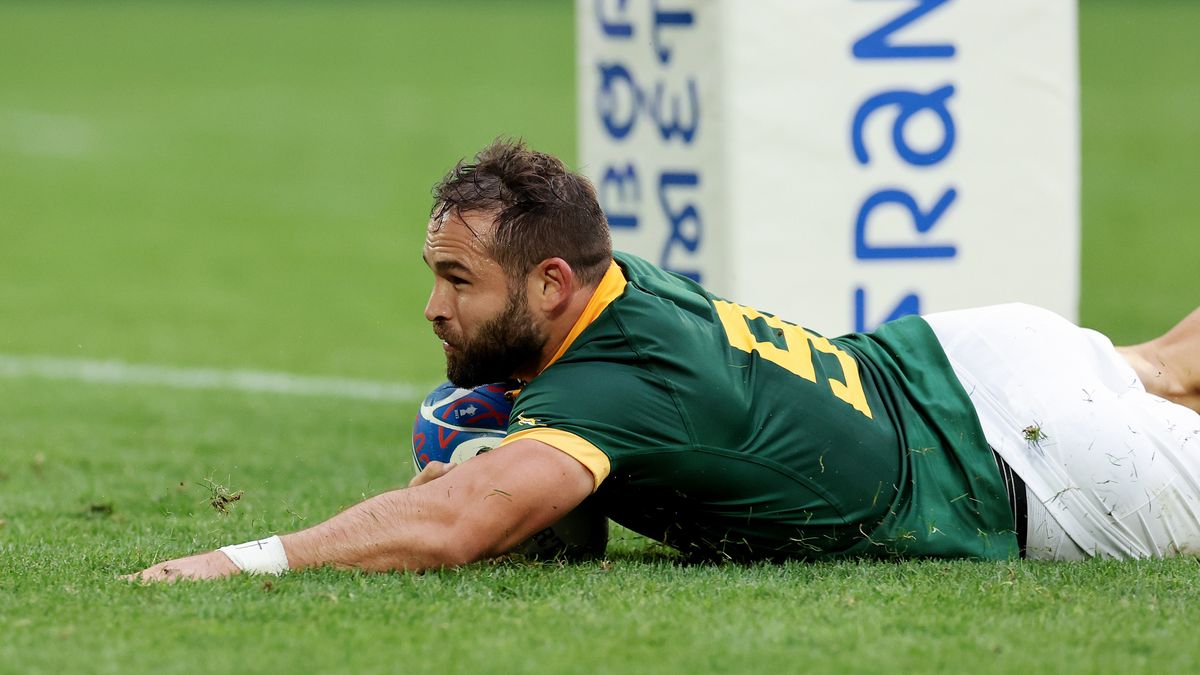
<point x="1015" y="487"/>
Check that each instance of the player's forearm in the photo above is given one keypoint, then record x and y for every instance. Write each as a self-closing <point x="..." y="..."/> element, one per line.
<point x="483" y="508"/>
<point x="396" y="530"/>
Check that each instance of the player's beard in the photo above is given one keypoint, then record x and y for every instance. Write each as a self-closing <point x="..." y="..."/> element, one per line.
<point x="504" y="345"/>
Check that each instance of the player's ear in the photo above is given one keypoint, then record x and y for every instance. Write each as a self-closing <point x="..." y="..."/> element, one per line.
<point x="551" y="284"/>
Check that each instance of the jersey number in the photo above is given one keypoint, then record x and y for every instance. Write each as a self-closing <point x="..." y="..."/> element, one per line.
<point x="790" y="347"/>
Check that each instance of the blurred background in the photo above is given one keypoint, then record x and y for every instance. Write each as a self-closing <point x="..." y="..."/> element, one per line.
<point x="245" y="184"/>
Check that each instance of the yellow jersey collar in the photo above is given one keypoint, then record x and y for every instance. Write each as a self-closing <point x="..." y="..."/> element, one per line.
<point x="611" y="287"/>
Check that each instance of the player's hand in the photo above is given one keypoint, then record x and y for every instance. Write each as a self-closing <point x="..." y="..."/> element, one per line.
<point x="211" y="565"/>
<point x="431" y="471"/>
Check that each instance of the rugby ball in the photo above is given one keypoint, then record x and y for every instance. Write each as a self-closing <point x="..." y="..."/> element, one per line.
<point x="455" y="424"/>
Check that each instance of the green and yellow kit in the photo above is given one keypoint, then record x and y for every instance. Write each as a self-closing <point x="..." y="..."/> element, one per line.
<point x="727" y="432"/>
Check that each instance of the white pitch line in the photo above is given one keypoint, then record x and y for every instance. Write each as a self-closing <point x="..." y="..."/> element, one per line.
<point x="254" y="381"/>
<point x="40" y="134"/>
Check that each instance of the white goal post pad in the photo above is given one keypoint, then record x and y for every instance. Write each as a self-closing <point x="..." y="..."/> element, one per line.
<point x="839" y="162"/>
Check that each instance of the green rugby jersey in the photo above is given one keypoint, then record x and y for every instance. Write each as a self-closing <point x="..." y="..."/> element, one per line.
<point x="727" y="432"/>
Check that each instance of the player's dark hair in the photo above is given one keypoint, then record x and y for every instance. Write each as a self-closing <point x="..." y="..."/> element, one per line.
<point x="543" y="209"/>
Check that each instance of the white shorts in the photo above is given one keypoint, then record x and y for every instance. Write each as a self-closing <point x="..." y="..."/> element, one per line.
<point x="1110" y="470"/>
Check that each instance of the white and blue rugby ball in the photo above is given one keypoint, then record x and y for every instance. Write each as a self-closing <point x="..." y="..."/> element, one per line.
<point x="455" y="424"/>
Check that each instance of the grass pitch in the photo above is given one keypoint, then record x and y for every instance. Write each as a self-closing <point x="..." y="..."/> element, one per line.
<point x="242" y="185"/>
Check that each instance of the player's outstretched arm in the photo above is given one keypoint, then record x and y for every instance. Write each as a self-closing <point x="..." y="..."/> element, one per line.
<point x="483" y="508"/>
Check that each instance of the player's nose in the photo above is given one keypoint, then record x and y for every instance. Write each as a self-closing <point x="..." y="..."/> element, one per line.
<point x="437" y="307"/>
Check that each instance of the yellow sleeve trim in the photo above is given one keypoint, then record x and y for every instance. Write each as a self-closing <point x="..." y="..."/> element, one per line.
<point x="587" y="454"/>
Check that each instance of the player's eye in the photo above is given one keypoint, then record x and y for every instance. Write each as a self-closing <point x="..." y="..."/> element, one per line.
<point x="457" y="281"/>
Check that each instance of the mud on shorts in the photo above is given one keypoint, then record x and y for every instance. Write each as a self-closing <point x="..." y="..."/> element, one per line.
<point x="1109" y="469"/>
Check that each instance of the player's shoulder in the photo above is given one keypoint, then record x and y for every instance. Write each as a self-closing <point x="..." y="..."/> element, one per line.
<point x="586" y="379"/>
<point x="658" y="302"/>
<point x="607" y="394"/>
<point x="648" y="277"/>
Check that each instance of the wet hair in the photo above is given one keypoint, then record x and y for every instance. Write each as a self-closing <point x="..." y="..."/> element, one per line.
<point x="542" y="209"/>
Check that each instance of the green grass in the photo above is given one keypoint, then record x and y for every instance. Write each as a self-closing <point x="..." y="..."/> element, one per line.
<point x="243" y="186"/>
<point x="104" y="480"/>
<point x="1141" y="221"/>
<point x="287" y="151"/>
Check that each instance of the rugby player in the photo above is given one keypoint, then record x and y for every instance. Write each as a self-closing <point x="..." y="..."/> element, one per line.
<point x="730" y="433"/>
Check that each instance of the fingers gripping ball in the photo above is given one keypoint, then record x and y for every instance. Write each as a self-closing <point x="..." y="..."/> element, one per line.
<point x="454" y="424"/>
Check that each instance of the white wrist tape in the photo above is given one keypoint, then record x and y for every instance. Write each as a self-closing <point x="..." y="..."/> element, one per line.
<point x="265" y="556"/>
